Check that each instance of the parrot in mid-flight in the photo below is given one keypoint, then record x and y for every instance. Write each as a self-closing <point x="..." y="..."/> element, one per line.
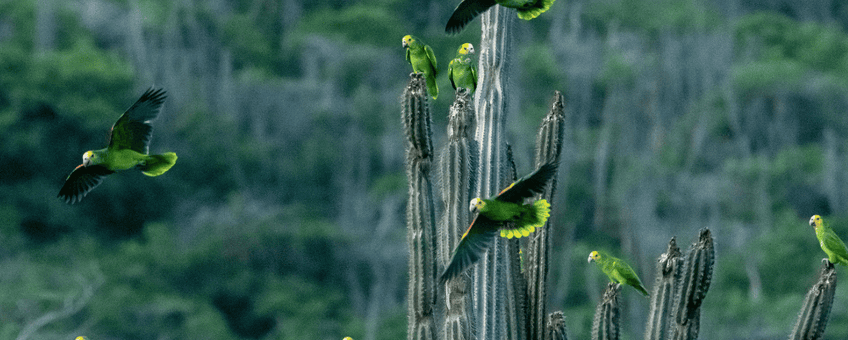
<point x="423" y="61"/>
<point x="829" y="242"/>
<point x="617" y="270"/>
<point x="467" y="10"/>
<point x="127" y="148"/>
<point x="461" y="70"/>
<point x="495" y="214"/>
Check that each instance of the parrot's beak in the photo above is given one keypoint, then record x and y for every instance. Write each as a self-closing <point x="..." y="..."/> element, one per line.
<point x="813" y="221"/>
<point x="405" y="45"/>
<point x="589" y="260"/>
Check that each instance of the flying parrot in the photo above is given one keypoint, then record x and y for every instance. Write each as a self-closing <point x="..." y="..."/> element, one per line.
<point x="461" y="70"/>
<point x="495" y="214"/>
<point x="127" y="148"/>
<point x="423" y="61"/>
<point x="829" y="242"/>
<point x="617" y="270"/>
<point x="467" y="10"/>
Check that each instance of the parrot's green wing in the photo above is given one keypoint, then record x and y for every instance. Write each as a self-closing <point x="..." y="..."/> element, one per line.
<point x="831" y="241"/>
<point x="625" y="274"/>
<point x="82" y="180"/>
<point x="529" y="185"/>
<point x="462" y="74"/>
<point x="451" y="65"/>
<point x="466" y="11"/>
<point x="432" y="57"/>
<point x="534" y="9"/>
<point x="132" y="131"/>
<point x="471" y="247"/>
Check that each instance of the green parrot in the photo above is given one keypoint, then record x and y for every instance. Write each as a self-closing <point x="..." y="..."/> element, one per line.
<point x="423" y="61"/>
<point x="617" y="270"/>
<point x="494" y="214"/>
<point x="467" y="10"/>
<point x="461" y="70"/>
<point x="829" y="242"/>
<point x="127" y="148"/>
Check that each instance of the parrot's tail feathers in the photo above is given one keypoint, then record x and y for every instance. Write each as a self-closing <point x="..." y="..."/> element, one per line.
<point x="156" y="165"/>
<point x="531" y="12"/>
<point x="432" y="87"/>
<point x="642" y="290"/>
<point x="537" y="218"/>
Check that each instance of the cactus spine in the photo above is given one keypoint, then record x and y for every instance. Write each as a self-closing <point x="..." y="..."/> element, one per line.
<point x="669" y="268"/>
<point x="555" y="327"/>
<point x="812" y="319"/>
<point x="420" y="214"/>
<point x="458" y="167"/>
<point x="605" y="325"/>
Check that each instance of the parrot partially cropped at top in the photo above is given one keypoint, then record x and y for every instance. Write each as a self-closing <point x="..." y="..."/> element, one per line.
<point x="495" y="214"/>
<point x="829" y="242"/>
<point x="617" y="270"/>
<point x="461" y="70"/>
<point x="423" y="61"/>
<point x="127" y="149"/>
<point x="467" y="10"/>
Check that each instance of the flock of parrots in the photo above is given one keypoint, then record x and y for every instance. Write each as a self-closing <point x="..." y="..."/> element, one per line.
<point x="505" y="215"/>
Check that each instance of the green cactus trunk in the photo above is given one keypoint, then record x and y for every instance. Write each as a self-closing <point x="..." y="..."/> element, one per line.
<point x="669" y="269"/>
<point x="605" y="325"/>
<point x="694" y="284"/>
<point x="815" y="311"/>
<point x="420" y="214"/>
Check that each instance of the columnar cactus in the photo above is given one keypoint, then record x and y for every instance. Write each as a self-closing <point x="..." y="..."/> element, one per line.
<point x="694" y="284"/>
<point x="605" y="325"/>
<point x="458" y="168"/>
<point x="669" y="268"/>
<point x="555" y="327"/>
<point x="420" y="214"/>
<point x="548" y="146"/>
<point x="812" y="319"/>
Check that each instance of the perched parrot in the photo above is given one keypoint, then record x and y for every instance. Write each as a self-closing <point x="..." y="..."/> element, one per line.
<point x="467" y="10"/>
<point x="494" y="215"/>
<point x="617" y="270"/>
<point x="423" y="61"/>
<point x="128" y="148"/>
<point x="461" y="70"/>
<point x="829" y="242"/>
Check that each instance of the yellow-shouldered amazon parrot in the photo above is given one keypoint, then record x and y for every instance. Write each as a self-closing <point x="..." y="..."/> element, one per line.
<point x="829" y="242"/>
<point x="461" y="70"/>
<point x="423" y="61"/>
<point x="617" y="270"/>
<point x="495" y="214"/>
<point x="127" y="148"/>
<point x="467" y="10"/>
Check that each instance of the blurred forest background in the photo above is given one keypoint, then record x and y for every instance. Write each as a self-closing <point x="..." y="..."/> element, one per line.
<point x="284" y="215"/>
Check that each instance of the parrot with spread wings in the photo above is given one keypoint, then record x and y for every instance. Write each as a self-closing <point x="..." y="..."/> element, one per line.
<point x="127" y="148"/>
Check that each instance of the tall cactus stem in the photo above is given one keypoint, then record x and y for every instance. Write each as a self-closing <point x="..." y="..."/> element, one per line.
<point x="458" y="167"/>
<point x="694" y="284"/>
<point x="491" y="101"/>
<point x="669" y="268"/>
<point x="420" y="214"/>
<point x="815" y="310"/>
<point x="548" y="147"/>
<point x="605" y="325"/>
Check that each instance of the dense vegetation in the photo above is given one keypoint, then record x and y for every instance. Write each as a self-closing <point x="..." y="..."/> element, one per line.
<point x="283" y="217"/>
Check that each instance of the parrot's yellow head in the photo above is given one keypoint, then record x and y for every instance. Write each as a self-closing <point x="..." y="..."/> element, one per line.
<point x="466" y="49"/>
<point x="816" y="221"/>
<point x="87" y="157"/>
<point x="477" y="204"/>
<point x="407" y="40"/>
<point x="594" y="256"/>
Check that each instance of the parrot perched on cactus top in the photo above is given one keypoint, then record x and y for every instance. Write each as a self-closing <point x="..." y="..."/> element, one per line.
<point x="829" y="242"/>
<point x="467" y="10"/>
<point x="461" y="70"/>
<point x="127" y="148"/>
<point x="617" y="270"/>
<point x="423" y="61"/>
<point x="495" y="214"/>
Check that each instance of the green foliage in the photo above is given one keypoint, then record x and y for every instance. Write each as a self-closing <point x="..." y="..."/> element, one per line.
<point x="652" y="16"/>
<point x="356" y="23"/>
